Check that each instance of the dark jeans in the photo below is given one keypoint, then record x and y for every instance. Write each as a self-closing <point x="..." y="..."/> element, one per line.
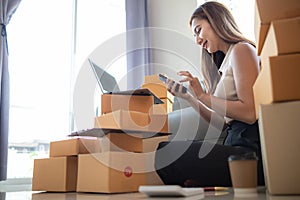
<point x="179" y="161"/>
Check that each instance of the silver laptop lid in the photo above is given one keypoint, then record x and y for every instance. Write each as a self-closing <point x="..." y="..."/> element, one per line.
<point x="106" y="82"/>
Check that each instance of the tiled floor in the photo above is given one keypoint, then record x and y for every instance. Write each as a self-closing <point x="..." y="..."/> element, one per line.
<point x="29" y="195"/>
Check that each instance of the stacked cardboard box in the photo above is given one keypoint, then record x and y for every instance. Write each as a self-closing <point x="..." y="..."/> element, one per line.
<point x="58" y="173"/>
<point x="270" y="10"/>
<point x="119" y="161"/>
<point x="158" y="88"/>
<point x="131" y="112"/>
<point x="277" y="93"/>
<point x="127" y="159"/>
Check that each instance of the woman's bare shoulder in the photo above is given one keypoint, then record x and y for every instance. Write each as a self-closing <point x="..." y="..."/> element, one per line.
<point x="244" y="47"/>
<point x="244" y="55"/>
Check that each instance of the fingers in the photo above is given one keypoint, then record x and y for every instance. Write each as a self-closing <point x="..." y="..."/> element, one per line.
<point x="185" y="73"/>
<point x="185" y="79"/>
<point x="187" y="76"/>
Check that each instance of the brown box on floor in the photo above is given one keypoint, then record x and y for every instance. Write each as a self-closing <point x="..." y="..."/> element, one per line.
<point x="270" y="10"/>
<point x="282" y="38"/>
<point x="57" y="174"/>
<point x="111" y="172"/>
<point x="280" y="141"/>
<point x="278" y="80"/>
<point x="74" y="146"/>
<point x="131" y="120"/>
<point x="114" y="102"/>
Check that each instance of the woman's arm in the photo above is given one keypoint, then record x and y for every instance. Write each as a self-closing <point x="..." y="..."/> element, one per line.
<point x="245" y="65"/>
<point x="208" y="114"/>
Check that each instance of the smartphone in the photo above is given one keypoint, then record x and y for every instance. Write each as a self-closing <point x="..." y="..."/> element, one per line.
<point x="163" y="78"/>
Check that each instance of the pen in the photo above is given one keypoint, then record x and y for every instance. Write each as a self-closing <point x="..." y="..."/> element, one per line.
<point x="215" y="188"/>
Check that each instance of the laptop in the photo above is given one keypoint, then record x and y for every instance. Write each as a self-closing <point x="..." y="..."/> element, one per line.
<point x="108" y="84"/>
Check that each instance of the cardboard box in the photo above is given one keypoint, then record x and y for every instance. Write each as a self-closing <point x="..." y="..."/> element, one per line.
<point x="164" y="108"/>
<point x="57" y="174"/>
<point x="113" y="102"/>
<point x="74" y="146"/>
<point x="282" y="38"/>
<point x="133" y="142"/>
<point x="159" y="90"/>
<point x="151" y="144"/>
<point x="280" y="141"/>
<point x="153" y="79"/>
<point x="281" y="197"/>
<point x="278" y="80"/>
<point x="131" y="120"/>
<point x="123" y="119"/>
<point x="111" y="172"/>
<point x="270" y="10"/>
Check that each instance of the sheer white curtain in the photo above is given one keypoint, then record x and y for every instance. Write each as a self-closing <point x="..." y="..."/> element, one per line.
<point x="7" y="9"/>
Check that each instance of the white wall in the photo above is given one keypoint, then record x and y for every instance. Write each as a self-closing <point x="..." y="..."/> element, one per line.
<point x="172" y="38"/>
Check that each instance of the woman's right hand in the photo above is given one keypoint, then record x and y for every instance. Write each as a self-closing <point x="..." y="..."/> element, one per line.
<point x="176" y="89"/>
<point x="194" y="83"/>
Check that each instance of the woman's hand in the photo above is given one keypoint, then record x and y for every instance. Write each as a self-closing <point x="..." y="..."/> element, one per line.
<point x="176" y="89"/>
<point x="194" y="83"/>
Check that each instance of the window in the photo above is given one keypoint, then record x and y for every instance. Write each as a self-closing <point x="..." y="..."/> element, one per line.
<point x="243" y="13"/>
<point x="43" y="67"/>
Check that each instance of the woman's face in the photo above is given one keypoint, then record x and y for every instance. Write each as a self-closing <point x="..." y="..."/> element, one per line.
<point x="205" y="36"/>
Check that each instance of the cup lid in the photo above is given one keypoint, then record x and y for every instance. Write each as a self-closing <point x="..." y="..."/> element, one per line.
<point x="245" y="156"/>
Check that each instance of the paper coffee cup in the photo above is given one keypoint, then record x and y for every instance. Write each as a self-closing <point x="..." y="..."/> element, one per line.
<point x="243" y="172"/>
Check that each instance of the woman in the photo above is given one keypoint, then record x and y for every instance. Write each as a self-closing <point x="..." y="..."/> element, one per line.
<point x="229" y="67"/>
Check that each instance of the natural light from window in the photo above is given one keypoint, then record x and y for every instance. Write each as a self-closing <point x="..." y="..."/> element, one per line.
<point x="243" y="13"/>
<point x="43" y="66"/>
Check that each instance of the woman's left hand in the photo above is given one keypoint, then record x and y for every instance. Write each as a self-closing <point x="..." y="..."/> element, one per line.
<point x="194" y="83"/>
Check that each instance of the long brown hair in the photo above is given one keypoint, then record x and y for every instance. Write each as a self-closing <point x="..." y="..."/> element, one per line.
<point x="224" y="25"/>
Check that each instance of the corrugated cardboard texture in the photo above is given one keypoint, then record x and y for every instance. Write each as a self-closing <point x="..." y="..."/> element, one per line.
<point x="111" y="172"/>
<point x="159" y="90"/>
<point x="55" y="174"/>
<point x="270" y="10"/>
<point x="282" y="38"/>
<point x="114" y="102"/>
<point x="280" y="141"/>
<point x="164" y="108"/>
<point x="74" y="146"/>
<point x="278" y="80"/>
<point x="135" y="121"/>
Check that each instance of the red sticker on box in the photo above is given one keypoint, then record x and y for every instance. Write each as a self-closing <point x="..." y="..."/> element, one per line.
<point x="128" y="171"/>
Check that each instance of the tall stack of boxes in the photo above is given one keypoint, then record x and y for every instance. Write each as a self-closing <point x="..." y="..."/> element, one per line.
<point x="129" y="160"/>
<point x="120" y="161"/>
<point x="277" y="92"/>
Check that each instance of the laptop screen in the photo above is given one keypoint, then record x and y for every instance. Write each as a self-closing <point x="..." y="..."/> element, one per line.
<point x="107" y="82"/>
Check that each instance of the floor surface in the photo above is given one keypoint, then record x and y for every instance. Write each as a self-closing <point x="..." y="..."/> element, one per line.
<point x="20" y="189"/>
